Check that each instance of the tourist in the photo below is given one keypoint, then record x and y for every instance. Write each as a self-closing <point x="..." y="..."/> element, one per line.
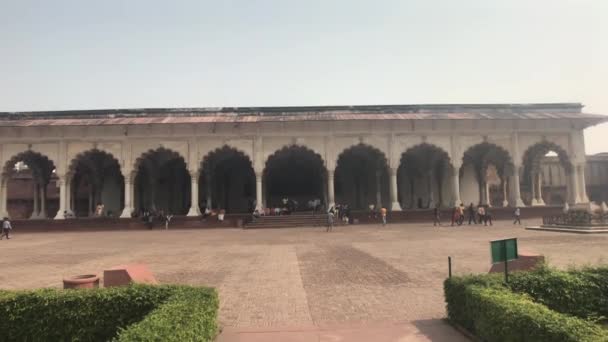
<point x="99" y="210"/>
<point x="517" y="216"/>
<point x="372" y="211"/>
<point x="206" y="213"/>
<point x="454" y="215"/>
<point x="330" y="219"/>
<point x="436" y="216"/>
<point x="220" y="215"/>
<point x="255" y="215"/>
<point x="480" y="213"/>
<point x="460" y="214"/>
<point x="150" y="220"/>
<point x="471" y="213"/>
<point x="383" y="214"/>
<point x="167" y="220"/>
<point x="487" y="216"/>
<point x="6" y="228"/>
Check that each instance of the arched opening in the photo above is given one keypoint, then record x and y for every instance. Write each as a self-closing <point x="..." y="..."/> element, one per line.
<point x="423" y="177"/>
<point x="31" y="190"/>
<point x="297" y="174"/>
<point x="546" y="175"/>
<point x="162" y="183"/>
<point x="361" y="178"/>
<point x="96" y="185"/>
<point x="484" y="175"/>
<point x="227" y="181"/>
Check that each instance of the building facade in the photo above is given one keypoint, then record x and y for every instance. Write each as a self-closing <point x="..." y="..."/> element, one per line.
<point x="237" y="159"/>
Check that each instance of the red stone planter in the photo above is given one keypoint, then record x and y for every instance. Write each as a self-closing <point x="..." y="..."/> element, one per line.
<point x="85" y="281"/>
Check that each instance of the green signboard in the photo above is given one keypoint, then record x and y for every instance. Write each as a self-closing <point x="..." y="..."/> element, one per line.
<point x="498" y="247"/>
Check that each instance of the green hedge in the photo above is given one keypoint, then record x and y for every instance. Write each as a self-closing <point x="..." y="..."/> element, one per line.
<point x="190" y="315"/>
<point x="98" y="315"/>
<point x="582" y="293"/>
<point x="492" y="312"/>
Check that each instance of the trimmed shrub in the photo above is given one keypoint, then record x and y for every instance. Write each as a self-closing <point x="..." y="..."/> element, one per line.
<point x="87" y="315"/>
<point x="581" y="293"/>
<point x="489" y="310"/>
<point x="189" y="315"/>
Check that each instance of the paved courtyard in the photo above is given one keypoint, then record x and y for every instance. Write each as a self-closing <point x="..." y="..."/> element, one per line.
<point x="300" y="277"/>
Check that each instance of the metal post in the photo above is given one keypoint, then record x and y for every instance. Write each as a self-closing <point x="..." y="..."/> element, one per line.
<point x="450" y="266"/>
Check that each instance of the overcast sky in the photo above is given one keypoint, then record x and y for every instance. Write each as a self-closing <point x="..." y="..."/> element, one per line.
<point x="123" y="54"/>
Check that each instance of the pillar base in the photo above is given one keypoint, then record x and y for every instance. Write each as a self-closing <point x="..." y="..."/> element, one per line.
<point x="395" y="206"/>
<point x="126" y="212"/>
<point x="60" y="215"/>
<point x="519" y="203"/>
<point x="505" y="203"/>
<point x="4" y="214"/>
<point x="534" y="202"/>
<point x="194" y="211"/>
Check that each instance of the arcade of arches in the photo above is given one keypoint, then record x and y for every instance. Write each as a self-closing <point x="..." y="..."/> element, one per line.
<point x="161" y="180"/>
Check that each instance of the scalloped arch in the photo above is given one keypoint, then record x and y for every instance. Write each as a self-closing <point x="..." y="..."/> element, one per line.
<point x="226" y="148"/>
<point x="150" y="152"/>
<point x="426" y="145"/>
<point x="24" y="156"/>
<point x="296" y="147"/>
<point x="77" y="158"/>
<point x="362" y="146"/>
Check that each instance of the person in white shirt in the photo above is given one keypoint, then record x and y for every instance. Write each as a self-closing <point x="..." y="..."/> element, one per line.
<point x="6" y="228"/>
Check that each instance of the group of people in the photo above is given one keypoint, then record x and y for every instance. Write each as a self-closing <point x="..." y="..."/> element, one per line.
<point x="476" y="215"/>
<point x="150" y="217"/>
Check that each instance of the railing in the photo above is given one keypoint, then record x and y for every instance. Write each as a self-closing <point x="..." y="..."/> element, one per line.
<point x="577" y="218"/>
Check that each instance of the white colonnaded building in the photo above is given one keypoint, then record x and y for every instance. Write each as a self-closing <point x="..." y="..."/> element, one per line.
<point x="183" y="160"/>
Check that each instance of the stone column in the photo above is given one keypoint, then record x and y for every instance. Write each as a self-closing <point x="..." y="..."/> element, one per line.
<point x="540" y="189"/>
<point x="456" y="184"/>
<point x="258" y="191"/>
<point x="68" y="195"/>
<point x="43" y="214"/>
<point x="581" y="184"/>
<point x="574" y="180"/>
<point x="516" y="188"/>
<point x="4" y="196"/>
<point x="534" y="201"/>
<point x="128" y="209"/>
<point x="395" y="206"/>
<point x="62" y="198"/>
<point x="505" y="201"/>
<point x="36" y="200"/>
<point x="378" y="188"/>
<point x="194" y="209"/>
<point x="330" y="189"/>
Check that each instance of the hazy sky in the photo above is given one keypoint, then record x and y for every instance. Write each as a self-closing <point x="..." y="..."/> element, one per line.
<point x="108" y="54"/>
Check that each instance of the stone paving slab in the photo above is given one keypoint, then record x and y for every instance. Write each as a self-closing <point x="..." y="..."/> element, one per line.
<point x="270" y="278"/>
<point x="420" y="331"/>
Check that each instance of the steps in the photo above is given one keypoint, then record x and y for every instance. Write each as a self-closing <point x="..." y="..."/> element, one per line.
<point x="572" y="229"/>
<point x="288" y="221"/>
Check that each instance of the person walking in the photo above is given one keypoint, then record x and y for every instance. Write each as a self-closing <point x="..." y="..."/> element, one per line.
<point x="168" y="218"/>
<point x="436" y="216"/>
<point x="481" y="212"/>
<point x="454" y="215"/>
<point x="471" y="213"/>
<point x="517" y="216"/>
<point x="383" y="214"/>
<point x="460" y="214"/>
<point x="487" y="217"/>
<point x="330" y="219"/>
<point x="6" y="228"/>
